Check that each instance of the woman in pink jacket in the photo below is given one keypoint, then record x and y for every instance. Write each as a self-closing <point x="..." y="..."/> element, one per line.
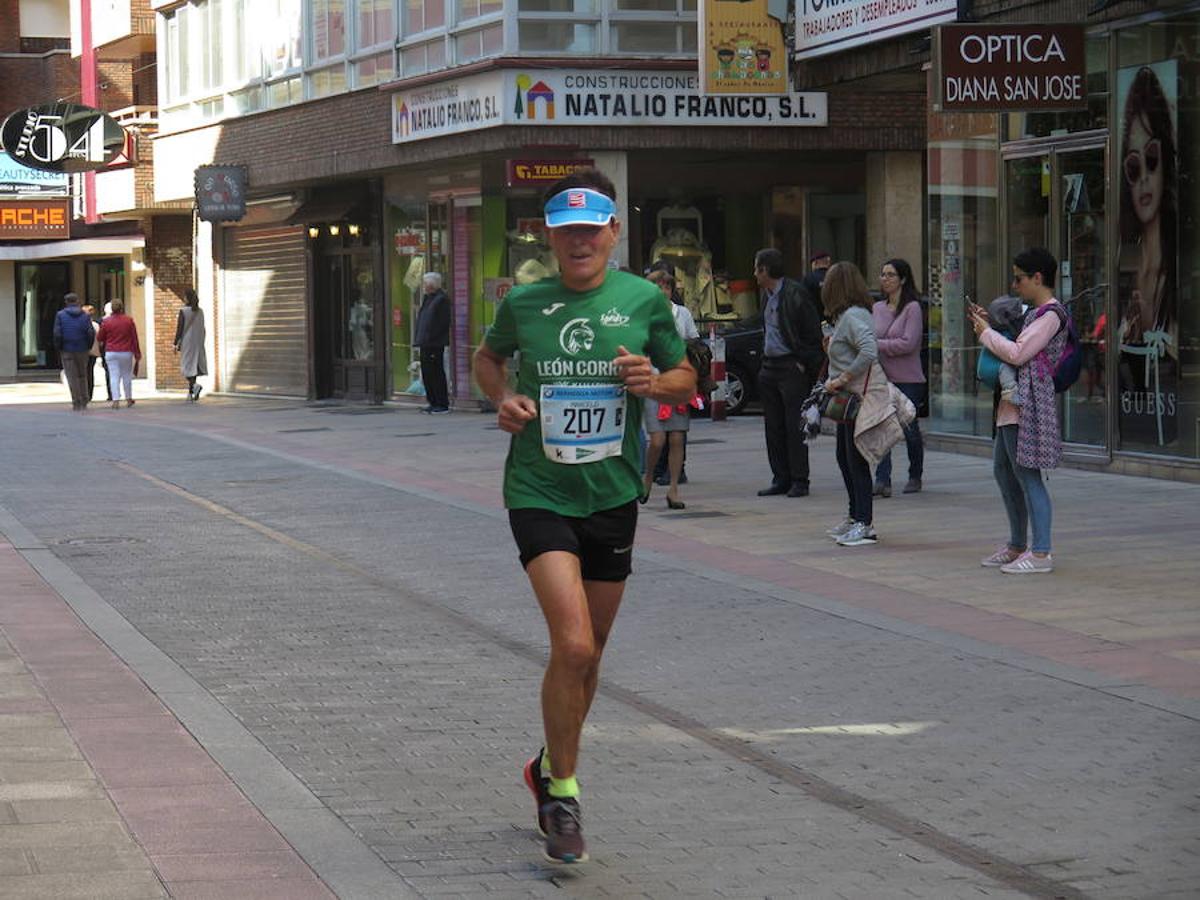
<point x="899" y="327"/>
<point x="1028" y="434"/>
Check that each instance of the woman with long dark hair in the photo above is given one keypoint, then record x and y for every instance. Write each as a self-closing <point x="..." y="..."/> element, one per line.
<point x="899" y="325"/>
<point x="189" y="343"/>
<point x="1148" y="331"/>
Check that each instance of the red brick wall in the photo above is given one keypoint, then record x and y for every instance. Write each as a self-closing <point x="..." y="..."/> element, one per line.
<point x="169" y="259"/>
<point x="10" y="26"/>
<point x="36" y="79"/>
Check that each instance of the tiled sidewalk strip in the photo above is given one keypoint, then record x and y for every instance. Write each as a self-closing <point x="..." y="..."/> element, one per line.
<point x="197" y="829"/>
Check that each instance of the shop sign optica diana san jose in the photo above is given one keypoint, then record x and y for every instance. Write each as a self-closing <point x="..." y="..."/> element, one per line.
<point x="557" y="97"/>
<point x="830" y="26"/>
<point x="985" y="68"/>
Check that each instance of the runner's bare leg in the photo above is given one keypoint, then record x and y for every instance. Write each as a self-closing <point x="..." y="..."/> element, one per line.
<point x="579" y="618"/>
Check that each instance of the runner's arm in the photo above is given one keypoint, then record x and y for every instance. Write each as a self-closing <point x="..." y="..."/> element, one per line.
<point x="674" y="385"/>
<point x="514" y="411"/>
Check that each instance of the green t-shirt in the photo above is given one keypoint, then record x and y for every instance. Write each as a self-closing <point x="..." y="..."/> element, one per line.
<point x="567" y="337"/>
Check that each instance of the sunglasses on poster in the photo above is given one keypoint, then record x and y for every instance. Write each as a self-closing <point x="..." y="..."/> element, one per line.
<point x="1149" y="157"/>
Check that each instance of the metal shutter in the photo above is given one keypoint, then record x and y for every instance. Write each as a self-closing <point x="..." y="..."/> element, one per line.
<point x="264" y="334"/>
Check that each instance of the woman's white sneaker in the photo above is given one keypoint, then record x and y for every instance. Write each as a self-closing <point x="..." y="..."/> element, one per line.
<point x="1028" y="564"/>
<point x="859" y="534"/>
<point x="840" y="528"/>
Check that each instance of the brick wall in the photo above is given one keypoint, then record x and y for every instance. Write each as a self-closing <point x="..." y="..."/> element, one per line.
<point x="10" y="26"/>
<point x="115" y="77"/>
<point x="36" y="79"/>
<point x="169" y="259"/>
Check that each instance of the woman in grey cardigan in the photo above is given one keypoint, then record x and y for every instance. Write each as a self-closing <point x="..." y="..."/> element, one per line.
<point x="189" y="343"/>
<point x="852" y="352"/>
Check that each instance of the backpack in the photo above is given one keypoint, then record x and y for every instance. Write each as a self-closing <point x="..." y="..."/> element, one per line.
<point x="987" y="369"/>
<point x="699" y="354"/>
<point x="1070" y="364"/>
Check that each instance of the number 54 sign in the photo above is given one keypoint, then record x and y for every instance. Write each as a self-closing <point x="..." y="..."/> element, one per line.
<point x="63" y="137"/>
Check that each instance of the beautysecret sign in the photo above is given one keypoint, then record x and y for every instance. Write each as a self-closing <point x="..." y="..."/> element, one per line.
<point x="1011" y="67"/>
<point x="830" y="26"/>
<point x="573" y="97"/>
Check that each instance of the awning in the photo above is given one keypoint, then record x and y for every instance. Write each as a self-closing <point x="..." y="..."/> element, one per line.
<point x="96" y="246"/>
<point x="327" y="209"/>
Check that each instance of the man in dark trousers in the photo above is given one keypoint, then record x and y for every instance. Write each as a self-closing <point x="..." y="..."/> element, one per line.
<point x="792" y="358"/>
<point x="73" y="338"/>
<point x="432" y="336"/>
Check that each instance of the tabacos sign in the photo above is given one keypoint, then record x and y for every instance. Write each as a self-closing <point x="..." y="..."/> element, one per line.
<point x="557" y="97"/>
<point x="1011" y="67"/>
<point x="64" y="137"/>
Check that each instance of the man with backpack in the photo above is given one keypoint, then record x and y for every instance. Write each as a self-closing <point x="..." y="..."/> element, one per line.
<point x="1028" y="436"/>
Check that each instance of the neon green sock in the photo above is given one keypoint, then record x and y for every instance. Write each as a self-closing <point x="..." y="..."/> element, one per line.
<point x="545" y="763"/>
<point x="564" y="787"/>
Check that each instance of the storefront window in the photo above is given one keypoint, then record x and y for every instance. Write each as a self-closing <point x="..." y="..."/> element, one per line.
<point x="1157" y="158"/>
<point x="964" y="263"/>
<point x="556" y="36"/>
<point x="40" y="291"/>
<point x="1020" y="126"/>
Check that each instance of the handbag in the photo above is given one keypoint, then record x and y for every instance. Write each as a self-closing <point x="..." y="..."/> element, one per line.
<point x="843" y="405"/>
<point x="840" y="406"/>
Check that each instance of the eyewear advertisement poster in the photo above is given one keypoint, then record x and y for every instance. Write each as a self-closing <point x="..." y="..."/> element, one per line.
<point x="554" y="97"/>
<point x="1148" y="272"/>
<point x="742" y="48"/>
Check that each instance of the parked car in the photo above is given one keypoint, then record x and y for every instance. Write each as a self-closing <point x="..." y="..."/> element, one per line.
<point x="743" y="357"/>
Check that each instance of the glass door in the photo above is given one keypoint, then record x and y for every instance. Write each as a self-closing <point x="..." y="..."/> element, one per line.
<point x="1084" y="288"/>
<point x="40" y="291"/>
<point x="1055" y="199"/>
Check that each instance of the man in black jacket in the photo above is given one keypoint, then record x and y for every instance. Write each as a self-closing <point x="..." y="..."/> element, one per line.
<point x="792" y="359"/>
<point x="432" y="335"/>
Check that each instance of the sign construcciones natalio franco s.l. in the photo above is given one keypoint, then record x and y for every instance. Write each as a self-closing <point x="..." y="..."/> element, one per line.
<point x="1011" y="67"/>
<point x="64" y="137"/>
<point x="829" y="26"/>
<point x="576" y="97"/>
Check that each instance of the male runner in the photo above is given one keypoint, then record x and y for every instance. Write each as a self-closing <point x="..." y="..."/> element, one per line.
<point x="587" y="340"/>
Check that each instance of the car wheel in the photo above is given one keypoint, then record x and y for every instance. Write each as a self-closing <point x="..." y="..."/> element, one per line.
<point x="735" y="391"/>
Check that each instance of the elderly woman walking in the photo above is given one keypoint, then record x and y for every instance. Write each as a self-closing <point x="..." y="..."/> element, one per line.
<point x="189" y="343"/>
<point x="122" y="353"/>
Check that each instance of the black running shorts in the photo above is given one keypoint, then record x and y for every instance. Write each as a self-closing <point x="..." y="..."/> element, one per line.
<point x="603" y="541"/>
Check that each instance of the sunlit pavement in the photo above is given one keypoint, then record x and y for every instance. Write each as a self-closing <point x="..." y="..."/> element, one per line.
<point x="326" y="602"/>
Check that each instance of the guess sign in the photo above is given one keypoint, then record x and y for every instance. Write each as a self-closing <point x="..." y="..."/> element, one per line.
<point x="1011" y="67"/>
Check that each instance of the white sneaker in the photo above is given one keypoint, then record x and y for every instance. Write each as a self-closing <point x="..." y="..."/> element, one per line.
<point x="1028" y="564"/>
<point x="841" y="528"/>
<point x="858" y="535"/>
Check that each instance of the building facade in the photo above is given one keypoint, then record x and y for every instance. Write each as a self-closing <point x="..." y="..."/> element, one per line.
<point x="116" y="241"/>
<point x="368" y="168"/>
<point x="1109" y="186"/>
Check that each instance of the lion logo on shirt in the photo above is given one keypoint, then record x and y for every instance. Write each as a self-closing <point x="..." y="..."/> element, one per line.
<point x="576" y="336"/>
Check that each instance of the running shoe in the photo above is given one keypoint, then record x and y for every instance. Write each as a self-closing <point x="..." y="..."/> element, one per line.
<point x="841" y="528"/>
<point x="564" y="831"/>
<point x="860" y="534"/>
<point x="539" y="786"/>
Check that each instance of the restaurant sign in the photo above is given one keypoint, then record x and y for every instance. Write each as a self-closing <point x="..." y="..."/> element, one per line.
<point x="543" y="172"/>
<point x="220" y="193"/>
<point x="35" y="219"/>
<point x="983" y="68"/>
<point x="573" y="97"/>
<point x="830" y="26"/>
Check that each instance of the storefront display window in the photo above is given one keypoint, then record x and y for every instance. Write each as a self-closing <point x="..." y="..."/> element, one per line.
<point x="1158" y="258"/>
<point x="40" y="290"/>
<point x="964" y="261"/>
